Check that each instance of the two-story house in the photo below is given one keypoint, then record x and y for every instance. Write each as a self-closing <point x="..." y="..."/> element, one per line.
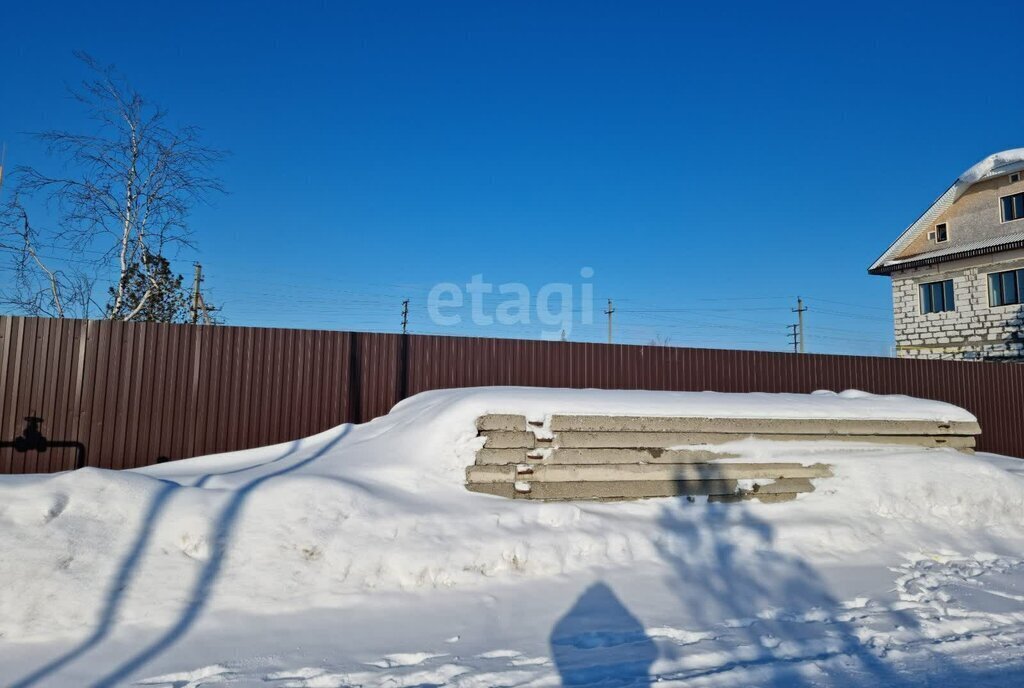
<point x="958" y="271"/>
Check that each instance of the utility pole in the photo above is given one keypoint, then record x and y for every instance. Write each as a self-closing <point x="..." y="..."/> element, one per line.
<point x="198" y="302"/>
<point x="793" y="335"/>
<point x="609" y="312"/>
<point x="194" y="311"/>
<point x="405" y="317"/>
<point x="799" y="310"/>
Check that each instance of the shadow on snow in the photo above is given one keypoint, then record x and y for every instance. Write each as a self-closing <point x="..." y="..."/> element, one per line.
<point x="772" y="616"/>
<point x="600" y="626"/>
<point x="222" y="534"/>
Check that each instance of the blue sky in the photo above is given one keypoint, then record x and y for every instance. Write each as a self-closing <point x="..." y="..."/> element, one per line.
<point x="709" y="162"/>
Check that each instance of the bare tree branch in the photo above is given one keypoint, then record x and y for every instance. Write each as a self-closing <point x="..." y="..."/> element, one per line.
<point x="126" y="191"/>
<point x="30" y="288"/>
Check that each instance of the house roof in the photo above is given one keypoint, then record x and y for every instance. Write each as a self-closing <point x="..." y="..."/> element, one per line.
<point x="965" y="250"/>
<point x="994" y="165"/>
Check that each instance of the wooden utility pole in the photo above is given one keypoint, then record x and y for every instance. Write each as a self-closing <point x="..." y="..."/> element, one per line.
<point x="405" y="317"/>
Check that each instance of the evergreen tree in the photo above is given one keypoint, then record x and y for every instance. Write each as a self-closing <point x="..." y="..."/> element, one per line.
<point x="151" y="283"/>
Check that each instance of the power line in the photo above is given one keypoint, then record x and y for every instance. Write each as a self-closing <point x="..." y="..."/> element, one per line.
<point x="367" y="304"/>
<point x="852" y="305"/>
<point x="691" y="326"/>
<point x="696" y="310"/>
<point x="855" y="316"/>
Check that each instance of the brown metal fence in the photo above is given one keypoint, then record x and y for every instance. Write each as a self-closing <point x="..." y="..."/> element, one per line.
<point x="121" y="395"/>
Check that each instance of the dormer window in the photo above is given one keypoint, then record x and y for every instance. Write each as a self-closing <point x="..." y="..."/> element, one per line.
<point x="941" y="233"/>
<point x="1013" y="207"/>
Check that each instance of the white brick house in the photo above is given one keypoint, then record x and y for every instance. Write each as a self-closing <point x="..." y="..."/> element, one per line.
<point x="958" y="271"/>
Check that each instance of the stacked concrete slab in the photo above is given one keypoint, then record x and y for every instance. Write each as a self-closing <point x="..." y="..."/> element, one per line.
<point x="630" y="457"/>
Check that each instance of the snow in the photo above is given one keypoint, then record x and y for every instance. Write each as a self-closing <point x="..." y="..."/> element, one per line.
<point x="357" y="557"/>
<point x="993" y="165"/>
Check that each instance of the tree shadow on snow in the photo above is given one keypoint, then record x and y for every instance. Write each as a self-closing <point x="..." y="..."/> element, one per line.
<point x="598" y="642"/>
<point x="771" y="613"/>
<point x="115" y="593"/>
<point x="203" y="586"/>
<point x="769" y="617"/>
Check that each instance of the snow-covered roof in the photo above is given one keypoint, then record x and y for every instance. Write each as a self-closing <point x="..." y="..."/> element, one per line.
<point x="994" y="165"/>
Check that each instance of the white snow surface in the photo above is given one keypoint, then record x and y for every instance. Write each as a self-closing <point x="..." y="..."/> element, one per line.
<point x="993" y="165"/>
<point x="357" y="557"/>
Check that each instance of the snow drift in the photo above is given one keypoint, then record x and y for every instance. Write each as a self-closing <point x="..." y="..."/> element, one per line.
<point x="326" y="520"/>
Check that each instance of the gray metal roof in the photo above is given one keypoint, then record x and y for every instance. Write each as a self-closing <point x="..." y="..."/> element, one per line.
<point x="966" y="250"/>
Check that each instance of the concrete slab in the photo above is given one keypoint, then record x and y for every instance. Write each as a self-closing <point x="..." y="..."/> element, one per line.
<point x="578" y="440"/>
<point x="502" y="421"/>
<point x="787" y="485"/>
<point x="721" y="490"/>
<point x="598" y="456"/>
<point x="777" y="426"/>
<point x="602" y="491"/>
<point x="644" y="472"/>
<point x="500" y="457"/>
<point x="773" y="498"/>
<point x="501" y="439"/>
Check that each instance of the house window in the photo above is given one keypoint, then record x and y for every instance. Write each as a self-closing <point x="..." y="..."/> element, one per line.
<point x="941" y="233"/>
<point x="937" y="297"/>
<point x="1006" y="288"/>
<point x="1013" y="207"/>
<point x="1015" y="177"/>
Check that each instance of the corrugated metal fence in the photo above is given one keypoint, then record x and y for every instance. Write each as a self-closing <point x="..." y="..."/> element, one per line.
<point x="121" y="395"/>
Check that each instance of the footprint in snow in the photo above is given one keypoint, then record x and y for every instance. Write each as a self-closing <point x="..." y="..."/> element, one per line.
<point x="60" y="503"/>
<point x="404" y="659"/>
<point x="215" y="673"/>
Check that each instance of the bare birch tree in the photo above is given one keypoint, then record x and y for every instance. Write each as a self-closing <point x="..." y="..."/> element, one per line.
<point x="122" y="197"/>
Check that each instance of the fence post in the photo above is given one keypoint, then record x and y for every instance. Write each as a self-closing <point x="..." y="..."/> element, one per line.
<point x="403" y="367"/>
<point x="355" y="377"/>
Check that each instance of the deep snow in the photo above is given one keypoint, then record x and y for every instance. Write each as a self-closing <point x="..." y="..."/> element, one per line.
<point x="356" y="557"/>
